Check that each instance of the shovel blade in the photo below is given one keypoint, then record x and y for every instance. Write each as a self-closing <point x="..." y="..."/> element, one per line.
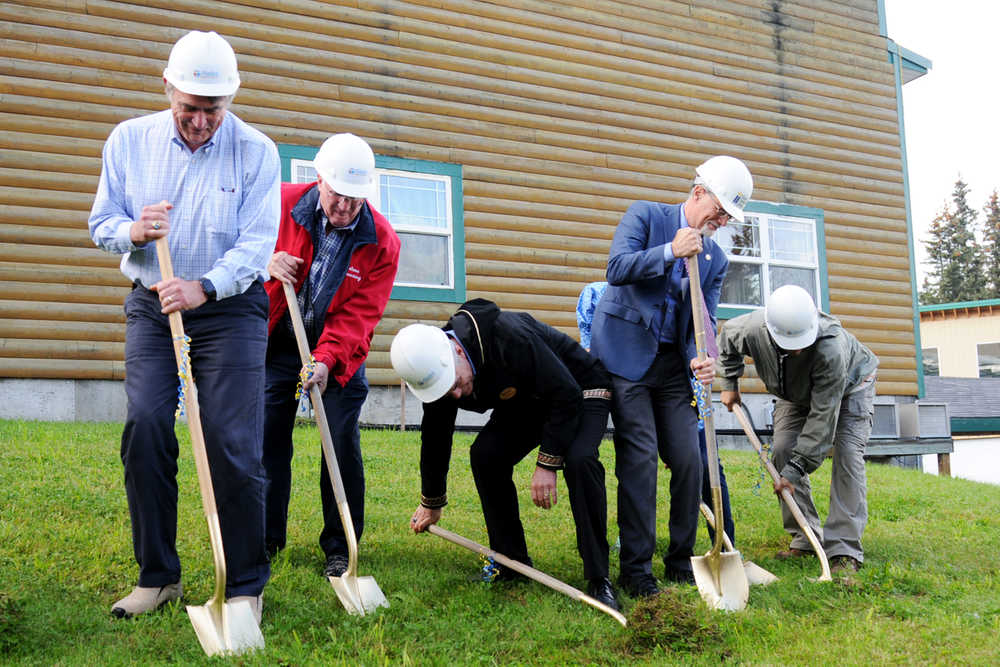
<point x="721" y="580"/>
<point x="359" y="595"/>
<point x="758" y="576"/>
<point x="227" y="629"/>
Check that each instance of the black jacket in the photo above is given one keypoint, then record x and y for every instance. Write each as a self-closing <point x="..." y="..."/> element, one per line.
<point x="521" y="365"/>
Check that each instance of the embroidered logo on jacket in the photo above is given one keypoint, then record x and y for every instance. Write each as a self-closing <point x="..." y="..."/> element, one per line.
<point x="353" y="272"/>
<point x="507" y="393"/>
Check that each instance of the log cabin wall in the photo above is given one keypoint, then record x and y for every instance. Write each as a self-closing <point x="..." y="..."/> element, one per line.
<point x="560" y="113"/>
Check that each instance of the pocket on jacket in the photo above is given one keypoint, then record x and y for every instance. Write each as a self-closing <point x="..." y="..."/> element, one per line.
<point x="621" y="311"/>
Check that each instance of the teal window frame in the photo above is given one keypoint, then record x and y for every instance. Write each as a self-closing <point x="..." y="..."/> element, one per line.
<point x="453" y="294"/>
<point x="791" y="211"/>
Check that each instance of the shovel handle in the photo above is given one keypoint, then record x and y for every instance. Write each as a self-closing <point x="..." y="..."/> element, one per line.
<point x="333" y="468"/>
<point x="197" y="436"/>
<point x="527" y="571"/>
<point x="800" y="519"/>
<point x="711" y="448"/>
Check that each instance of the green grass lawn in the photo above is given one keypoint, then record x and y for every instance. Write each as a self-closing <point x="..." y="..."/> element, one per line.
<point x="929" y="591"/>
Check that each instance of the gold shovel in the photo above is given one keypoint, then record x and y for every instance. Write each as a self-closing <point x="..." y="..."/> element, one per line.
<point x="222" y="627"/>
<point x="756" y="575"/>
<point x="359" y="595"/>
<point x="744" y="420"/>
<point x="527" y="571"/>
<point x="720" y="577"/>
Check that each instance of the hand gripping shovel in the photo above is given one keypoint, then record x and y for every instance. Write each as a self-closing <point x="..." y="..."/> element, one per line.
<point x="222" y="627"/>
<point x="359" y="595"/>
<point x="744" y="420"/>
<point x="756" y="575"/>
<point x="527" y="571"/>
<point x="720" y="577"/>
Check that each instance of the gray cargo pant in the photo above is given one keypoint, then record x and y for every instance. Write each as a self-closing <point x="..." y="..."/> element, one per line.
<point x="845" y="522"/>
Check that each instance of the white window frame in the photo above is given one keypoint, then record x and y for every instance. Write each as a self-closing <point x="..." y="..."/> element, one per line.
<point x="448" y="232"/>
<point x="765" y="219"/>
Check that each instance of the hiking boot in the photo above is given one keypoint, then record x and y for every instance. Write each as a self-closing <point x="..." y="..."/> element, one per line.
<point x="600" y="589"/>
<point x="336" y="565"/>
<point x="678" y="576"/>
<point x="146" y="598"/>
<point x="256" y="603"/>
<point x="844" y="565"/>
<point x="794" y="553"/>
<point x="639" y="585"/>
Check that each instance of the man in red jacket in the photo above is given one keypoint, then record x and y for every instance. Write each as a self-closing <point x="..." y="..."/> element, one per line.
<point x="341" y="255"/>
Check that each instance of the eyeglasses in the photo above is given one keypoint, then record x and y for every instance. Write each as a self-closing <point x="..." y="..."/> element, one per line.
<point x="351" y="201"/>
<point x="720" y="213"/>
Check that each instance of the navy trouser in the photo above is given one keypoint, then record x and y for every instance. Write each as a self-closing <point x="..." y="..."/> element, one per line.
<point x="507" y="438"/>
<point x="653" y="415"/>
<point x="706" y="493"/>
<point x="228" y="340"/>
<point x="343" y="409"/>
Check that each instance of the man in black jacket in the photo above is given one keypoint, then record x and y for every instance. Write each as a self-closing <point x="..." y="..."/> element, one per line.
<point x="545" y="391"/>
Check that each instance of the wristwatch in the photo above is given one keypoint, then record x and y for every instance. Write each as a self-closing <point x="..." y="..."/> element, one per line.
<point x="208" y="288"/>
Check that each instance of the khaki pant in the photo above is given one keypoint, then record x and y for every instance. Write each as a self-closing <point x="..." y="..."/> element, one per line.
<point x="845" y="522"/>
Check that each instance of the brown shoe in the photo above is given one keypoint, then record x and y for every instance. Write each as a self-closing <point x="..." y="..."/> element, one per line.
<point x="844" y="566"/>
<point x="794" y="553"/>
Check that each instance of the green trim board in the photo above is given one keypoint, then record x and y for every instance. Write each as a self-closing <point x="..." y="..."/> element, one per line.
<point x="985" y="303"/>
<point x="911" y="249"/>
<point x="795" y="211"/>
<point x="975" y="424"/>
<point x="455" y="294"/>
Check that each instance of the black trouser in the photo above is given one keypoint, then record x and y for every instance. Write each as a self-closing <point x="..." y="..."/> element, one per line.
<point x="343" y="408"/>
<point x="654" y="416"/>
<point x="228" y="339"/>
<point x="507" y="438"/>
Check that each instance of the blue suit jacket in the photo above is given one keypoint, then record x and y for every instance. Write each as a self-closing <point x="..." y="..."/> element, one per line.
<point x="627" y="320"/>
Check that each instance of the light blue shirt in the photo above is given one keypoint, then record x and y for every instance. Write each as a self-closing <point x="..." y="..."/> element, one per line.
<point x="226" y="199"/>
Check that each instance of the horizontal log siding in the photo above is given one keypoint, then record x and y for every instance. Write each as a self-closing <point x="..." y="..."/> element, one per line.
<point x="561" y="113"/>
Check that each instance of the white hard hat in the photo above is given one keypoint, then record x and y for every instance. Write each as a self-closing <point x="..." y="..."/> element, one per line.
<point x="347" y="164"/>
<point x="729" y="180"/>
<point x="791" y="317"/>
<point x="203" y="63"/>
<point x="423" y="356"/>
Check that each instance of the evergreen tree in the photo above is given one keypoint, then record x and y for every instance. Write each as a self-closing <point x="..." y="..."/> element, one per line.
<point x="956" y="260"/>
<point x="967" y="256"/>
<point x="991" y="245"/>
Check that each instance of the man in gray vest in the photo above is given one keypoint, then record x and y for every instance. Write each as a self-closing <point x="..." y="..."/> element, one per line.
<point x="824" y="380"/>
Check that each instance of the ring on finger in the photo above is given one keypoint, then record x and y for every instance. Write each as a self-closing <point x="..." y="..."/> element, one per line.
<point x="156" y="225"/>
<point x="168" y="299"/>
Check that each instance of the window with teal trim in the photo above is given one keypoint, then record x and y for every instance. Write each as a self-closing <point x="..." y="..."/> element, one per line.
<point x="423" y="202"/>
<point x="775" y="245"/>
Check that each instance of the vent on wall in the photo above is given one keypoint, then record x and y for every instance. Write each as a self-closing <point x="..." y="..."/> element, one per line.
<point x="885" y="423"/>
<point x="924" y="420"/>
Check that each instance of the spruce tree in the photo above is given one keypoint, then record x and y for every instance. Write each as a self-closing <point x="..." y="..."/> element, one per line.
<point x="938" y="254"/>
<point x="966" y="268"/>
<point x="991" y="245"/>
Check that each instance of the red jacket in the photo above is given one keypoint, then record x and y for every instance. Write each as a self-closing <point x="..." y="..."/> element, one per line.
<point x="357" y="290"/>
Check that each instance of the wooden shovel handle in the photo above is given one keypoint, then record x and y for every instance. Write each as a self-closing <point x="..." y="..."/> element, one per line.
<point x="800" y="518"/>
<point x="527" y="571"/>
<point x="194" y="427"/>
<point x="333" y="468"/>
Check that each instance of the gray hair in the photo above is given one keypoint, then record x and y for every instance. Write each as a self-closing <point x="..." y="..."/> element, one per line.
<point x="698" y="180"/>
<point x="221" y="100"/>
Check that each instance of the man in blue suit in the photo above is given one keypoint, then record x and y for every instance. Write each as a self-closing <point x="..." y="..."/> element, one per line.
<point x="644" y="335"/>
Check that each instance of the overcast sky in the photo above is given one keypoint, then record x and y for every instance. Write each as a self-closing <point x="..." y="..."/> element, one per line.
<point x="951" y="113"/>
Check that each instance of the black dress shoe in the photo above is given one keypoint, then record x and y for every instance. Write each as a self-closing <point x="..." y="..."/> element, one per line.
<point x="678" y="576"/>
<point x="601" y="590"/>
<point x="336" y="565"/>
<point x="639" y="586"/>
